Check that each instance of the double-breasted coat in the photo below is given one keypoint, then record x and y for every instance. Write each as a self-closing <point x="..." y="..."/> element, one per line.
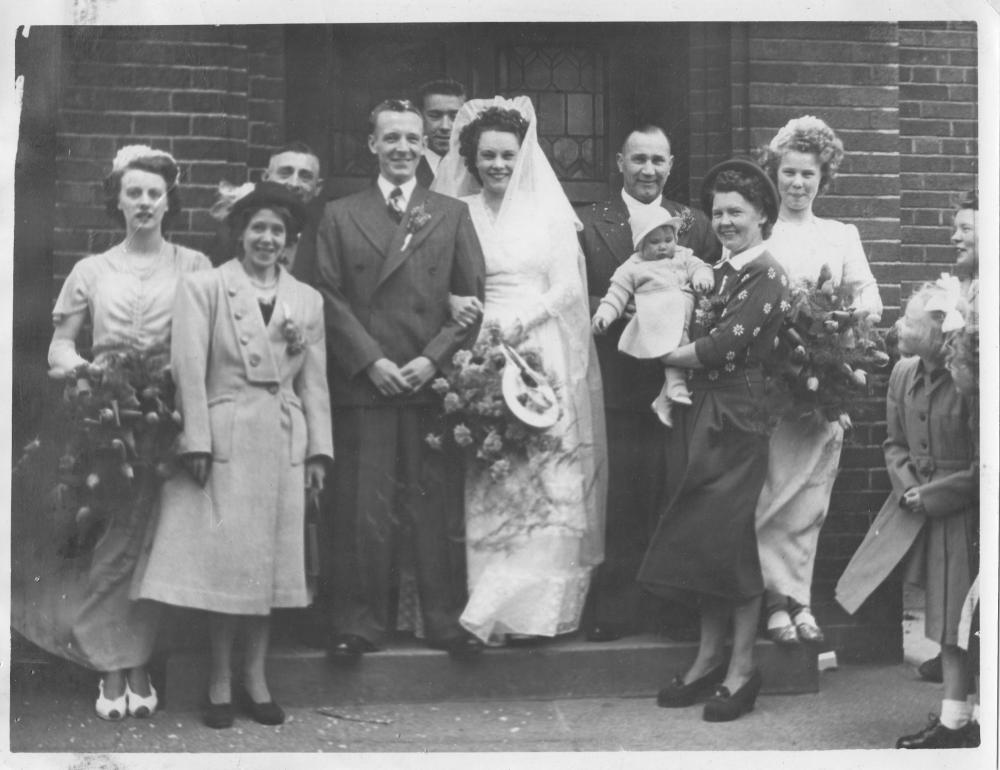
<point x="386" y="301"/>
<point x="929" y="445"/>
<point x="255" y="397"/>
<point x="635" y="437"/>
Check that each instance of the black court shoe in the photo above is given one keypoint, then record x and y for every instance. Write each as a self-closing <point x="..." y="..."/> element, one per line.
<point x="678" y="695"/>
<point x="724" y="706"/>
<point x="269" y="713"/>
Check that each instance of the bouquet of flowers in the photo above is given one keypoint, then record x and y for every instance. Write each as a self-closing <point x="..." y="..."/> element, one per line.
<point x="827" y="353"/>
<point x="474" y="414"/>
<point x="116" y="428"/>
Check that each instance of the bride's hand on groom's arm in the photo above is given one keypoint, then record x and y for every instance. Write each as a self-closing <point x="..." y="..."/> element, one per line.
<point x="387" y="378"/>
<point x="465" y="310"/>
<point x="418" y="372"/>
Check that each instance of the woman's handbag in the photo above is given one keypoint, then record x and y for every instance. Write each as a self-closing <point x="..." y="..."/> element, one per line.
<point x="312" y="540"/>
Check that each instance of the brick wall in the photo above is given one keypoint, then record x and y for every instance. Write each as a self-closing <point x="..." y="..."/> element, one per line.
<point x="938" y="144"/>
<point x="708" y="100"/>
<point x="212" y="96"/>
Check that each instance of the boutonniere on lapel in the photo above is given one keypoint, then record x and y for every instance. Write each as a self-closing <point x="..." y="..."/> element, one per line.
<point x="415" y="220"/>
<point x="292" y="333"/>
<point x="687" y="219"/>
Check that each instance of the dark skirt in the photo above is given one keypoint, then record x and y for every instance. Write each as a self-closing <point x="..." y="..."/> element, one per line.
<point x="705" y="543"/>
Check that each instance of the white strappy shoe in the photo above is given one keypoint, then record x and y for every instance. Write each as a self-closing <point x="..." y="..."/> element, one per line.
<point x="112" y="709"/>
<point x="141" y="706"/>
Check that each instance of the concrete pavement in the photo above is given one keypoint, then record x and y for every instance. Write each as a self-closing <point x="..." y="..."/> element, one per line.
<point x="858" y="707"/>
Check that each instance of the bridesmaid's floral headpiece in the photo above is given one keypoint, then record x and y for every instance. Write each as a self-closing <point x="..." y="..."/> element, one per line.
<point x="229" y="194"/>
<point x="947" y="300"/>
<point x="131" y="153"/>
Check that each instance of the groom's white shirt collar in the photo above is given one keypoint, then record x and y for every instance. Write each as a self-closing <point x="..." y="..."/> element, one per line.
<point x="635" y="205"/>
<point x="386" y="187"/>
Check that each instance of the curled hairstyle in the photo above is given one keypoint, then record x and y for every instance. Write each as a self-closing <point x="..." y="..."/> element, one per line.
<point x="809" y="135"/>
<point x="962" y="351"/>
<point x="240" y="220"/>
<point x="160" y="165"/>
<point x="754" y="189"/>
<point x="490" y="119"/>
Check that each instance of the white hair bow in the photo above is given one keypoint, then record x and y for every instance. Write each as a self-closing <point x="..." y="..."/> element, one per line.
<point x="947" y="301"/>
<point x="228" y="195"/>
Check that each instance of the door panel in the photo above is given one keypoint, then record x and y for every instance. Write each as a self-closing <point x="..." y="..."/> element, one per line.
<point x="590" y="84"/>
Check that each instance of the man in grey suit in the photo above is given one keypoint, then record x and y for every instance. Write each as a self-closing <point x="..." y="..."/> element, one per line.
<point x="635" y="436"/>
<point x="387" y="259"/>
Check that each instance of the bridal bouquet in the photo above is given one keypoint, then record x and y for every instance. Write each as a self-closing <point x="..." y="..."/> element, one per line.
<point x="827" y="354"/>
<point x="114" y="435"/>
<point x="474" y="414"/>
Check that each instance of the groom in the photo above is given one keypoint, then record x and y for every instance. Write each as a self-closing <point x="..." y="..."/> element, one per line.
<point x="387" y="259"/>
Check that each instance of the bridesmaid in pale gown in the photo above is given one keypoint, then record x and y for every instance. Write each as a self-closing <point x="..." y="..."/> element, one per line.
<point x="533" y="583"/>
<point x="804" y="453"/>
<point x="80" y="608"/>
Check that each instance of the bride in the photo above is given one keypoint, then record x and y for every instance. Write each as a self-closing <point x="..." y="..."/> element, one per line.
<point x="536" y="581"/>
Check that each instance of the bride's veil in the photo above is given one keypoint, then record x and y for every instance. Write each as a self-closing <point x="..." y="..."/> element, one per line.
<point x="534" y="193"/>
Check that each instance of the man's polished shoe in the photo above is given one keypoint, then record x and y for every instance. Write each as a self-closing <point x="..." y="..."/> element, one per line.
<point x="936" y="736"/>
<point x="930" y="670"/>
<point x="678" y="695"/>
<point x="724" y="706"/>
<point x="463" y="647"/>
<point x="348" y="648"/>
<point x="604" y="632"/>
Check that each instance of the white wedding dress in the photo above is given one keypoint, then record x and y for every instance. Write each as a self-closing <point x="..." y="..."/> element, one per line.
<point x="529" y="567"/>
<point x="534" y="535"/>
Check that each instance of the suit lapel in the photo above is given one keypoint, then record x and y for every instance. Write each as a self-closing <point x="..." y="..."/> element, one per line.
<point x="369" y="215"/>
<point x="397" y="255"/>
<point x="614" y="230"/>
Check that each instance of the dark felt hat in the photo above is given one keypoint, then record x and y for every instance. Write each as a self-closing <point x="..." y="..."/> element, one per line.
<point x="267" y="195"/>
<point x="747" y="168"/>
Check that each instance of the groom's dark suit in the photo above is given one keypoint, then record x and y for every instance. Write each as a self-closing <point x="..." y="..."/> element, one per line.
<point x="384" y="302"/>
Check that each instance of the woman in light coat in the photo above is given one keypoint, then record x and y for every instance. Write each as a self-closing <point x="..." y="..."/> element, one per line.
<point x="249" y="359"/>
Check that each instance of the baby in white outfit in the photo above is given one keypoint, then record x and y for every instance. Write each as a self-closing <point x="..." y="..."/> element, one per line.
<point x="662" y="277"/>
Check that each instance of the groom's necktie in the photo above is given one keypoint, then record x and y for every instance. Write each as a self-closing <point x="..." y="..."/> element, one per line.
<point x="395" y="204"/>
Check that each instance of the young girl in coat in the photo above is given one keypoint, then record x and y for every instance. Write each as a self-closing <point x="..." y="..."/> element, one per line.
<point x="661" y="276"/>
<point x="931" y="518"/>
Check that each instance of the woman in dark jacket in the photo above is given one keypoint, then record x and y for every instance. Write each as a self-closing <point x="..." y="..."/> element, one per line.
<point x="704" y="550"/>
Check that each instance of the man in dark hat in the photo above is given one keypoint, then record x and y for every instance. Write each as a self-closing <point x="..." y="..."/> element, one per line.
<point x="635" y="436"/>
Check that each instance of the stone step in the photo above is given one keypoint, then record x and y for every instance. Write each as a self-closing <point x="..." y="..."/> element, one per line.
<point x="408" y="672"/>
